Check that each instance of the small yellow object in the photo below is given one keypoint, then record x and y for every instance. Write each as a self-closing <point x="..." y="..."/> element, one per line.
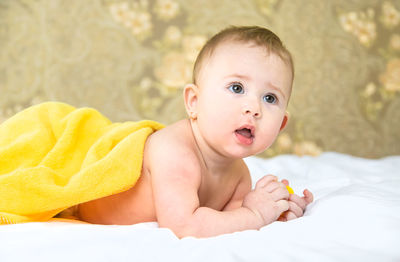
<point x="290" y="190"/>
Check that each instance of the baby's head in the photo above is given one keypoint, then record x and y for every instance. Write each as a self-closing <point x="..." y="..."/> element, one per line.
<point x="259" y="36"/>
<point x="242" y="81"/>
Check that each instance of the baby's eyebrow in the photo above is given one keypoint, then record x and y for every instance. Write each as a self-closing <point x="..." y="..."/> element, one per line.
<point x="238" y="76"/>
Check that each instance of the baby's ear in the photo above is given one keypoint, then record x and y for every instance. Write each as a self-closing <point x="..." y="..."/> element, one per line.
<point x="190" y="95"/>
<point x="284" y="121"/>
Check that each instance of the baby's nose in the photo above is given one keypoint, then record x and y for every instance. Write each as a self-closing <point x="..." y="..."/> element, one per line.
<point x="253" y="110"/>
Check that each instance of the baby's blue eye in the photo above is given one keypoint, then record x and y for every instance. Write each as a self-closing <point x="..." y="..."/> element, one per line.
<point x="236" y="88"/>
<point x="270" y="99"/>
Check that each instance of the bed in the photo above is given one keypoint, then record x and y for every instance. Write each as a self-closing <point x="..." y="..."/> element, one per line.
<point x="355" y="217"/>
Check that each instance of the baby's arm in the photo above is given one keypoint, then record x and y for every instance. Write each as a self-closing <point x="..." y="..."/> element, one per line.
<point x="176" y="180"/>
<point x="175" y="192"/>
<point x="242" y="189"/>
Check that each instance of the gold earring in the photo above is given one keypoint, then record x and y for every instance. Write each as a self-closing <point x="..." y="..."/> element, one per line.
<point x="193" y="116"/>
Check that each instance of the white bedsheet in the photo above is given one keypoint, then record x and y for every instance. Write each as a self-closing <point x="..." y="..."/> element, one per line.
<point x="355" y="217"/>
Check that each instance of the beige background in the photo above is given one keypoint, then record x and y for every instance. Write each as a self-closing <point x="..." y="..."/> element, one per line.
<point x="131" y="59"/>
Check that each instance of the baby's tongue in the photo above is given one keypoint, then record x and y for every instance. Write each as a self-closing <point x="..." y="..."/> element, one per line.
<point x="244" y="132"/>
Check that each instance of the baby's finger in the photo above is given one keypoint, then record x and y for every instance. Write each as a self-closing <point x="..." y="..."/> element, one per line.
<point x="280" y="193"/>
<point x="290" y="216"/>
<point x="293" y="207"/>
<point x="272" y="186"/>
<point x="285" y="181"/>
<point x="283" y="205"/>
<point x="300" y="201"/>
<point x="286" y="216"/>
<point x="308" y="196"/>
<point x="265" y="180"/>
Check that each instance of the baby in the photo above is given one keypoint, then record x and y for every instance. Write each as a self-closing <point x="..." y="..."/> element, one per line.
<point x="194" y="180"/>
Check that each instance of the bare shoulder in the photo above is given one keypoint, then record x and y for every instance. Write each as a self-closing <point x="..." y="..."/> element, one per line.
<point x="172" y="148"/>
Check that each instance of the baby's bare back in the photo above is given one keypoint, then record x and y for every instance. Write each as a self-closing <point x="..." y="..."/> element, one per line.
<point x="129" y="207"/>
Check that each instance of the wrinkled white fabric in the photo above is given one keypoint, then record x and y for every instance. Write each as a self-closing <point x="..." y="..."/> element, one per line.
<point x="355" y="217"/>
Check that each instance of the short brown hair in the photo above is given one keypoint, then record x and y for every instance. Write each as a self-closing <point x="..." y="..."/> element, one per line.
<point x="258" y="35"/>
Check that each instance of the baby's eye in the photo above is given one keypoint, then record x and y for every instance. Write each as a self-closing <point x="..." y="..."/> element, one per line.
<point x="270" y="99"/>
<point x="236" y="88"/>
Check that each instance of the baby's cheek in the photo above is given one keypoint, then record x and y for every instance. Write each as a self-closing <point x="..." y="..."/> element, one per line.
<point x="268" y="136"/>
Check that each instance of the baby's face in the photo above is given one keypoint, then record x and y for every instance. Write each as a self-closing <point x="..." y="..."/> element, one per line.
<point x="243" y="94"/>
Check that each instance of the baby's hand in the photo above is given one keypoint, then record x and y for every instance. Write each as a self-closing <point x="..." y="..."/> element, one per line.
<point x="297" y="204"/>
<point x="268" y="200"/>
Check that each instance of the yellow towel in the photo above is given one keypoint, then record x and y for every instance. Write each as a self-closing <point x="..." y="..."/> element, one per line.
<point x="54" y="156"/>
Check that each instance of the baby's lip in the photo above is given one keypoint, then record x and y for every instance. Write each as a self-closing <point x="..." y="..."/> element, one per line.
<point x="247" y="126"/>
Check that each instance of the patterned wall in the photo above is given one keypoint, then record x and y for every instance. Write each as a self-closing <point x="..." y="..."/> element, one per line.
<point x="131" y="59"/>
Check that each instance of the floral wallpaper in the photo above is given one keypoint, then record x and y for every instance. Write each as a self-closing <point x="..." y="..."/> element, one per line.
<point x="130" y="59"/>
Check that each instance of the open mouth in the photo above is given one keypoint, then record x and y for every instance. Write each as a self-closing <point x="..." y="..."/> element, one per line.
<point x="244" y="132"/>
<point x="245" y="135"/>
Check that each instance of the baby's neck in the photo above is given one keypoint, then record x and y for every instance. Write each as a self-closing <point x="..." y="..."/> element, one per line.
<point x="212" y="160"/>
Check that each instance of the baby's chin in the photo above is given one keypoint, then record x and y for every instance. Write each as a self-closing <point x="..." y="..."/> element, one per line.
<point x="241" y="153"/>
